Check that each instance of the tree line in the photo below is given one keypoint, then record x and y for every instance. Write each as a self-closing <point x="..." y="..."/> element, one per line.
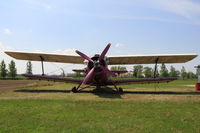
<point x="11" y="72"/>
<point x="139" y="71"/>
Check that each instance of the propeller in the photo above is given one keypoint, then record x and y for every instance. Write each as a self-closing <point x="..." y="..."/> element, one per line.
<point x="89" y="75"/>
<point x="101" y="57"/>
<point x="84" y="56"/>
<point x="104" y="52"/>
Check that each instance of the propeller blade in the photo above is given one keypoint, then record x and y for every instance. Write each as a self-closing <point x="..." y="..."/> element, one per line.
<point x="104" y="51"/>
<point x="84" y="56"/>
<point x="88" y="76"/>
<point x="108" y="71"/>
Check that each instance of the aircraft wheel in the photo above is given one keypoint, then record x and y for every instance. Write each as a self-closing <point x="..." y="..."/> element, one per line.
<point x="120" y="90"/>
<point x="74" y="90"/>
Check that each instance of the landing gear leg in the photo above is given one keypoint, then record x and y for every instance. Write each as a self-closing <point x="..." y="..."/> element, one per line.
<point x="75" y="89"/>
<point x="119" y="90"/>
<point x="116" y="88"/>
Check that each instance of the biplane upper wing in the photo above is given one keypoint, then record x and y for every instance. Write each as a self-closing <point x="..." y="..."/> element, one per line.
<point x="112" y="60"/>
<point x="46" y="57"/>
<point x="150" y="59"/>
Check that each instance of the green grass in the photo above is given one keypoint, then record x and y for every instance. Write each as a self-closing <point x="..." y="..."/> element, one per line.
<point x="180" y="84"/>
<point x="40" y="110"/>
<point x="98" y="116"/>
<point x="19" y="77"/>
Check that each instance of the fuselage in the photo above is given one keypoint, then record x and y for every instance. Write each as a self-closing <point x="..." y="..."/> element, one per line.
<point x="100" y="76"/>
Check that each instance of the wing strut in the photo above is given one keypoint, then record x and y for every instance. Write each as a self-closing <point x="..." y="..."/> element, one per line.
<point x="155" y="69"/>
<point x="42" y="59"/>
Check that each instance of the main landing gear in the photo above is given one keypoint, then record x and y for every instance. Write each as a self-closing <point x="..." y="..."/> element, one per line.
<point x="120" y="90"/>
<point x="76" y="89"/>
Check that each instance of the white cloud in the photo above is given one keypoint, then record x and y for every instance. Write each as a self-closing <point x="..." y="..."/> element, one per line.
<point x="7" y="31"/>
<point x="48" y="6"/>
<point x="65" y="51"/>
<point x="30" y="30"/>
<point x="117" y="45"/>
<point x="38" y="4"/>
<point x="38" y="51"/>
<point x="188" y="11"/>
<point x="4" y="47"/>
<point x="20" y="65"/>
<point x="185" y="8"/>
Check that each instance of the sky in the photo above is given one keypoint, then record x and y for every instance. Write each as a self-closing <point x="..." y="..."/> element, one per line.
<point x="131" y="26"/>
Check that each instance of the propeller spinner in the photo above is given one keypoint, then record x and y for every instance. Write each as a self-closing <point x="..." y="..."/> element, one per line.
<point x="96" y="64"/>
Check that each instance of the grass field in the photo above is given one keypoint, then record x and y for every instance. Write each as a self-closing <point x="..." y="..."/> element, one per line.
<point x="42" y="106"/>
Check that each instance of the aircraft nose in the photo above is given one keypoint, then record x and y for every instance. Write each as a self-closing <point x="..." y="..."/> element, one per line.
<point x="97" y="64"/>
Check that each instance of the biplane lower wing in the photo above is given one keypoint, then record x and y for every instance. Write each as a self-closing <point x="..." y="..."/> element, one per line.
<point x="51" y="78"/>
<point x="110" y="82"/>
<point x="142" y="81"/>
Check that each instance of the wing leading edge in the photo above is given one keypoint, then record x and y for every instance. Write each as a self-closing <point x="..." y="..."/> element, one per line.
<point x="112" y="60"/>
<point x="142" y="81"/>
<point x="110" y="82"/>
<point x="150" y="59"/>
<point x="46" y="57"/>
<point x="51" y="78"/>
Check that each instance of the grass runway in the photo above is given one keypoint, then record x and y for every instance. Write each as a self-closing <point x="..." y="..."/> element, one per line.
<point x="43" y="107"/>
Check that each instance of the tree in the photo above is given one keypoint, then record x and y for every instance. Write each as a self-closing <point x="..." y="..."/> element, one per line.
<point x="3" y="70"/>
<point x="29" y="67"/>
<point x="78" y="74"/>
<point x="164" y="71"/>
<point x="113" y="68"/>
<point x="183" y="73"/>
<point x="191" y="75"/>
<point x="148" y="72"/>
<point x="137" y="71"/>
<point x="12" y="69"/>
<point x="122" y="68"/>
<point x="118" y="68"/>
<point x="173" y="72"/>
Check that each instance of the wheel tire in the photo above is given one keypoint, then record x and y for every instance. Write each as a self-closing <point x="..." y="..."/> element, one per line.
<point x="121" y="90"/>
<point x="74" y="90"/>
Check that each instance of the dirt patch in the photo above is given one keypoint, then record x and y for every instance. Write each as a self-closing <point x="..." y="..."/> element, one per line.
<point x="12" y="84"/>
<point x="34" y="89"/>
<point x="189" y="85"/>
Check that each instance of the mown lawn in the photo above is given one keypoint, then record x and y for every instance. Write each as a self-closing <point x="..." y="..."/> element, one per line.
<point x="180" y="84"/>
<point x="25" y="116"/>
<point x="41" y="107"/>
